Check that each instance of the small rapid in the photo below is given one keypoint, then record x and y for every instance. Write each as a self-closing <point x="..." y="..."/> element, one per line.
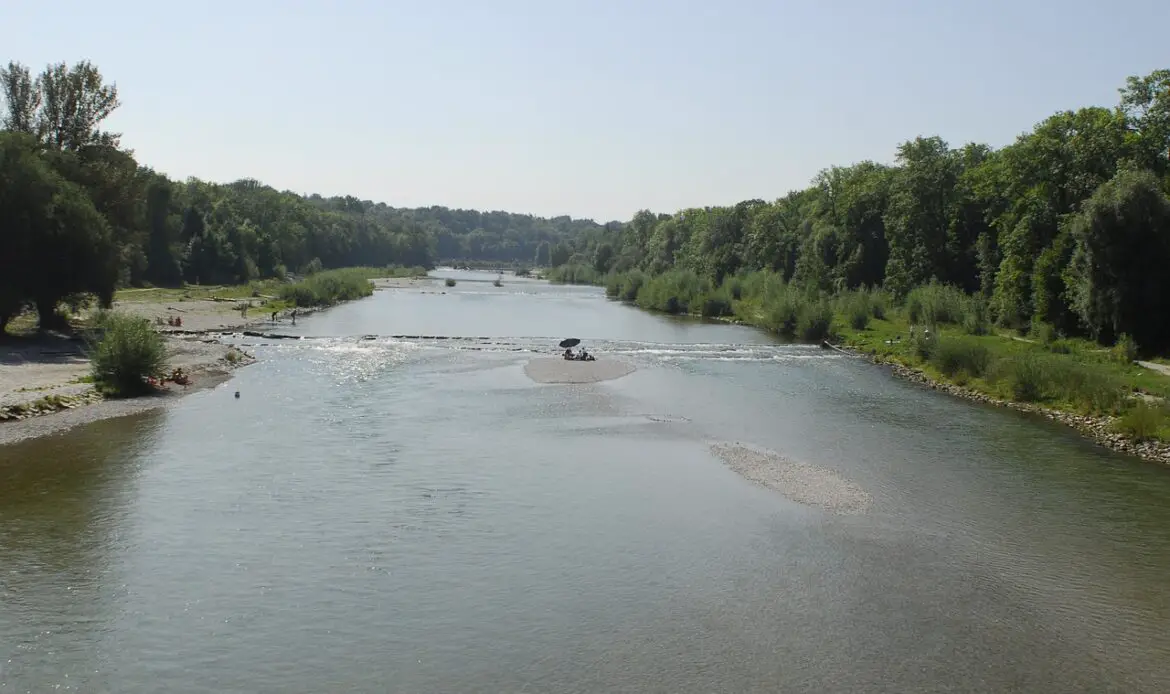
<point x="645" y="352"/>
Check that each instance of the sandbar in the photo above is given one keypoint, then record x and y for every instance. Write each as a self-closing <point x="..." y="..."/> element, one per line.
<point x="803" y="483"/>
<point x="561" y="370"/>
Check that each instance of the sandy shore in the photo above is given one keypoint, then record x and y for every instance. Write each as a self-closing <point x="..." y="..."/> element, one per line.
<point x="801" y="482"/>
<point x="560" y="370"/>
<point x="42" y="388"/>
<point x="207" y="315"/>
<point x="42" y="391"/>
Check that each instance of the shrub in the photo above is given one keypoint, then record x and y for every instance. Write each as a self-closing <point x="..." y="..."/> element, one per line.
<point x="815" y="320"/>
<point x="857" y="309"/>
<point x="676" y="291"/>
<point x="1125" y="350"/>
<point x="1144" y="421"/>
<point x="879" y="300"/>
<point x="954" y="356"/>
<point x="1097" y="391"/>
<point x="781" y="311"/>
<point x="935" y="303"/>
<point x="716" y="303"/>
<point x="312" y="267"/>
<point x="977" y="316"/>
<point x="924" y="342"/>
<point x="625" y="286"/>
<point x="450" y="282"/>
<point x="1042" y="332"/>
<point x="327" y="288"/>
<point x="1026" y="376"/>
<point x="758" y="284"/>
<point x="574" y="273"/>
<point x="735" y="288"/>
<point x="127" y="352"/>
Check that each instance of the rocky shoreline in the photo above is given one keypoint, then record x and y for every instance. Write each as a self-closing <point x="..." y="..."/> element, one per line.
<point x="1097" y="428"/>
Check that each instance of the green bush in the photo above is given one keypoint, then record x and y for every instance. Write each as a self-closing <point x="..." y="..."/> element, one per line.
<point x="977" y="316"/>
<point x="625" y="286"/>
<point x="735" y="287"/>
<point x="716" y="304"/>
<point x="125" y="354"/>
<point x="574" y="273"/>
<point x="924" y="342"/>
<point x="815" y="321"/>
<point x="1025" y="374"/>
<point x="1089" y="387"/>
<point x="327" y="288"/>
<point x="781" y="309"/>
<point x="1125" y="350"/>
<point x="676" y="291"/>
<point x="879" y="300"/>
<point x="953" y="356"/>
<point x="936" y="303"/>
<point x="450" y="282"/>
<point x="1144" y="421"/>
<point x="1043" y="332"/>
<point x="857" y="307"/>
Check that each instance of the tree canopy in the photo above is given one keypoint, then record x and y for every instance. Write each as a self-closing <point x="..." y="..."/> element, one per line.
<point x="1067" y="225"/>
<point x="79" y="214"/>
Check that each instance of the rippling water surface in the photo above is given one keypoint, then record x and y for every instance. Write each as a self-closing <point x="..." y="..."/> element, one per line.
<point x="392" y="505"/>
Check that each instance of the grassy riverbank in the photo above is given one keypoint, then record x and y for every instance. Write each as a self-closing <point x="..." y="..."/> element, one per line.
<point x="937" y="332"/>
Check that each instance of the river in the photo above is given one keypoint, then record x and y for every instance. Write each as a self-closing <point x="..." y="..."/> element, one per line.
<point x="413" y="514"/>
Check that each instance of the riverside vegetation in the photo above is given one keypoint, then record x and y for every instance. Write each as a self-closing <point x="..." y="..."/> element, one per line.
<point x="1033" y="274"/>
<point x="80" y="216"/>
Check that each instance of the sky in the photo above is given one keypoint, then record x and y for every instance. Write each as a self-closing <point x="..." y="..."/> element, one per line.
<point x="592" y="109"/>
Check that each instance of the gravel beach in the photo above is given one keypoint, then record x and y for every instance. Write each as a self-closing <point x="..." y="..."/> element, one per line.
<point x="41" y="391"/>
<point x="801" y="482"/>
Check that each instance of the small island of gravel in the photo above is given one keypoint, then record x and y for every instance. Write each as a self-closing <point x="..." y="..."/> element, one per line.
<point x="801" y="482"/>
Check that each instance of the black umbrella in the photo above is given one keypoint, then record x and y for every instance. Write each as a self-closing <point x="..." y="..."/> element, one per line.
<point x="570" y="342"/>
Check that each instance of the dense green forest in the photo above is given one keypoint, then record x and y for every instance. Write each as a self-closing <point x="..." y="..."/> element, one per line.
<point x="80" y="216"/>
<point x="1067" y="227"/>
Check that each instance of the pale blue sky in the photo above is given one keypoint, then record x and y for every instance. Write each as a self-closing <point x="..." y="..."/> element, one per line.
<point x="593" y="109"/>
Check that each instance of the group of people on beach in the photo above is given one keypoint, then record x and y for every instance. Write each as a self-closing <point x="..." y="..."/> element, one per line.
<point x="580" y="356"/>
<point x="177" y="376"/>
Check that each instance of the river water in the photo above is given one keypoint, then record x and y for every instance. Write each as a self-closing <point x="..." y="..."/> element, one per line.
<point x="413" y="514"/>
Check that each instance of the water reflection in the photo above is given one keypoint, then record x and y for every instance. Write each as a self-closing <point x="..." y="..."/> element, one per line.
<point x="63" y="505"/>
<point x="385" y="515"/>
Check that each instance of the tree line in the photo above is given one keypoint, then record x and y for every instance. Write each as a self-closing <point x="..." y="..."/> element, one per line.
<point x="81" y="217"/>
<point x="1066" y="227"/>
